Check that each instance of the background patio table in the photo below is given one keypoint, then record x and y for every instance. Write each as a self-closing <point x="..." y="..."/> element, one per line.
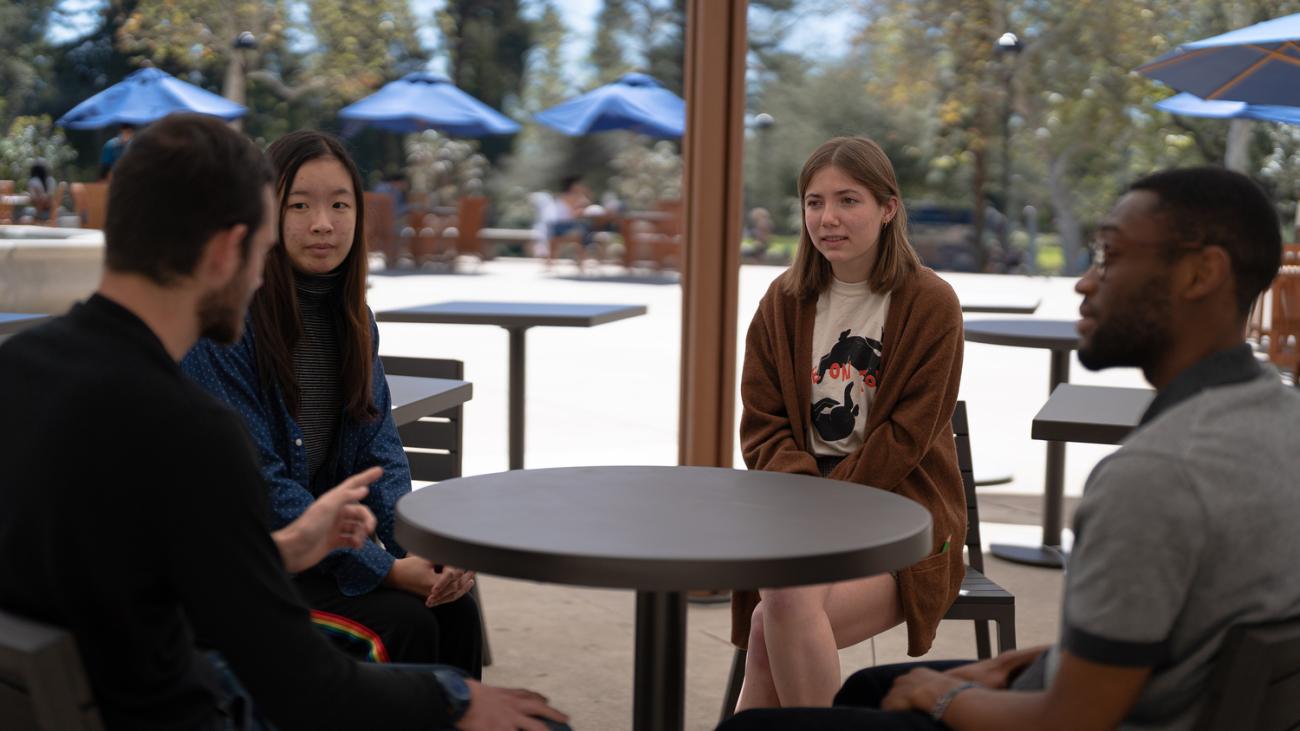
<point x="516" y="318"/>
<point x="1092" y="414"/>
<point x="12" y="322"/>
<point x="663" y="531"/>
<point x="414" y="397"/>
<point x="1060" y="337"/>
<point x="1008" y="305"/>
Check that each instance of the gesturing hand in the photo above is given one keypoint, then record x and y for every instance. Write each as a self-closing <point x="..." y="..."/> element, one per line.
<point x="506" y="709"/>
<point x="336" y="519"/>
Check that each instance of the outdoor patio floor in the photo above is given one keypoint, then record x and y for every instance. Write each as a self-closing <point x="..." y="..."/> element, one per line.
<point x="609" y="395"/>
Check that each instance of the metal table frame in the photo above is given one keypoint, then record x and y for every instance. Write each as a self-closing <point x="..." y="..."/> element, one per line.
<point x="1060" y="338"/>
<point x="516" y="318"/>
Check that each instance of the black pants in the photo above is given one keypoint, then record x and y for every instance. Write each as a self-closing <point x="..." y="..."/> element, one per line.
<point x="857" y="706"/>
<point x="448" y="634"/>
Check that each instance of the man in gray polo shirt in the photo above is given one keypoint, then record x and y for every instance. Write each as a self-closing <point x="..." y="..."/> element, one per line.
<point x="1185" y="531"/>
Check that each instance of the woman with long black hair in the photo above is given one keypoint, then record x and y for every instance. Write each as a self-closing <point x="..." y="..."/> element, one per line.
<point x="307" y="379"/>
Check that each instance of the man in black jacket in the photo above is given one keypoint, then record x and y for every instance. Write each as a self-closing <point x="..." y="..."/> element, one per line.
<point x="132" y="510"/>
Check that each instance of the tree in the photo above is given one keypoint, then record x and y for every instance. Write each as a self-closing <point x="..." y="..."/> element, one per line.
<point x="361" y="46"/>
<point x="937" y="55"/>
<point x="614" y="28"/>
<point x="487" y="41"/>
<point x="25" y="63"/>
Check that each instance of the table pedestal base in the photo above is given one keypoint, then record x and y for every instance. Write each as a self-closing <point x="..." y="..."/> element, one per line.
<point x="1045" y="556"/>
<point x="659" y="685"/>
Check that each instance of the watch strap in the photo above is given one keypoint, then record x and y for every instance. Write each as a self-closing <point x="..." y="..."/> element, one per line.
<point x="941" y="705"/>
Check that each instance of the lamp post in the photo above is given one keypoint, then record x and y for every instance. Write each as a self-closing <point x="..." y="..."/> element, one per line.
<point x="763" y="122"/>
<point x="1009" y="46"/>
<point x="237" y="71"/>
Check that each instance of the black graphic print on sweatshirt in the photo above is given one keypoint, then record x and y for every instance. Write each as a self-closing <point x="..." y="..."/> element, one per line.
<point x="852" y="354"/>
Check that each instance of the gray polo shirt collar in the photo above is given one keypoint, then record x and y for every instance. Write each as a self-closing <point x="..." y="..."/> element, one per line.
<point x="1234" y="365"/>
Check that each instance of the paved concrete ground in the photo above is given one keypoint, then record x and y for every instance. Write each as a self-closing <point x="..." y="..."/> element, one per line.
<point x="609" y="395"/>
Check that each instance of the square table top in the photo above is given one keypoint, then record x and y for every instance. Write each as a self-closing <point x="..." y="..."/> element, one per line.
<point x="1002" y="305"/>
<point x="414" y="397"/>
<point x="12" y="322"/>
<point x="514" y="314"/>
<point x="1092" y="414"/>
<point x="1025" y="333"/>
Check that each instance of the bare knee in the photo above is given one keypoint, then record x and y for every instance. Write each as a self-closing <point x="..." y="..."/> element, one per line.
<point x="791" y="604"/>
<point x="757" y="652"/>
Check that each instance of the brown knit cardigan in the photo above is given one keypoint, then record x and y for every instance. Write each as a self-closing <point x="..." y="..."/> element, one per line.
<point x="908" y="449"/>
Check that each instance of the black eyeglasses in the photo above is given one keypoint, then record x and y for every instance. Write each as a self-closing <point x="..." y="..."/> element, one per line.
<point x="1100" y="251"/>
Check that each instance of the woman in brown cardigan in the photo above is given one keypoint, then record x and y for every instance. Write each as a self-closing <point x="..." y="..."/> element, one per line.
<point x="852" y="365"/>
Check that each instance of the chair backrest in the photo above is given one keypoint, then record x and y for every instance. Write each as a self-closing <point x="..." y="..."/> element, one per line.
<point x="471" y="212"/>
<point x="1284" y="325"/>
<point x="432" y="443"/>
<point x="671" y="226"/>
<point x="93" y="207"/>
<point x="42" y="684"/>
<point x="381" y="223"/>
<point x="961" y="433"/>
<point x="1256" y="680"/>
<point x="6" y="210"/>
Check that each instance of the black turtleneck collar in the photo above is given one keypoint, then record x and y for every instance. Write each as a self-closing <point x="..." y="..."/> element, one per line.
<point x="317" y="287"/>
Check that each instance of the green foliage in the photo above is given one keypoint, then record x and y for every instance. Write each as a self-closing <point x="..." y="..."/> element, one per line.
<point x="30" y="139"/>
<point x="361" y="46"/>
<point x="647" y="173"/>
<point x="442" y="169"/>
<point x="487" y="41"/>
<point x="25" y="62"/>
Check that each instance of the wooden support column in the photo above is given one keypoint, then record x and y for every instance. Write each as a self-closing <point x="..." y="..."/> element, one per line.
<point x="716" y="45"/>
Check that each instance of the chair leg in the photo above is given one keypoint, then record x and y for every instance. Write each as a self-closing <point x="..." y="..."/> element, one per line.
<point x="482" y="620"/>
<point x="734" y="681"/>
<point x="983" y="648"/>
<point x="1007" y="633"/>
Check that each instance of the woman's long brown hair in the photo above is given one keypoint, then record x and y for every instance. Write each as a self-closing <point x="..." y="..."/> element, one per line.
<point x="276" y="319"/>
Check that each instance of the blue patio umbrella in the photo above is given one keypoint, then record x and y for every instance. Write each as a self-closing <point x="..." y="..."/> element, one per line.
<point x="1259" y="64"/>
<point x="1193" y="106"/>
<point x="635" y="102"/>
<point x="420" y="101"/>
<point x="145" y="96"/>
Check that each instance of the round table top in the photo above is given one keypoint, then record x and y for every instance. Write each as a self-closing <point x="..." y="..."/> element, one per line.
<point x="1049" y="334"/>
<point x="664" y="528"/>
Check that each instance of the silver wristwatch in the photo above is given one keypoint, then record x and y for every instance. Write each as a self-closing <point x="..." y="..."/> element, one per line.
<point x="941" y="705"/>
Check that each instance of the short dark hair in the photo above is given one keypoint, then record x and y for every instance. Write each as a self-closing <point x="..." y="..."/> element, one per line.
<point x="568" y="181"/>
<point x="1214" y="206"/>
<point x="180" y="181"/>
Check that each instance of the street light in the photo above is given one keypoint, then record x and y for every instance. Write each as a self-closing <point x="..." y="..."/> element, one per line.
<point x="1008" y="46"/>
<point x="762" y="122"/>
<point x="237" y="70"/>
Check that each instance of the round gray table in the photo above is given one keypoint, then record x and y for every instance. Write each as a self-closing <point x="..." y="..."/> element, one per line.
<point x="663" y="531"/>
<point x="1060" y="337"/>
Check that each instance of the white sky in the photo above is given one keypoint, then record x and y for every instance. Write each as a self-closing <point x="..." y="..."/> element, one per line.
<point x="830" y="30"/>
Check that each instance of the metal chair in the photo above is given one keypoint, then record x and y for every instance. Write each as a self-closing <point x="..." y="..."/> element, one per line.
<point x="433" y="443"/>
<point x="1255" y="683"/>
<point x="42" y="684"/>
<point x="980" y="599"/>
